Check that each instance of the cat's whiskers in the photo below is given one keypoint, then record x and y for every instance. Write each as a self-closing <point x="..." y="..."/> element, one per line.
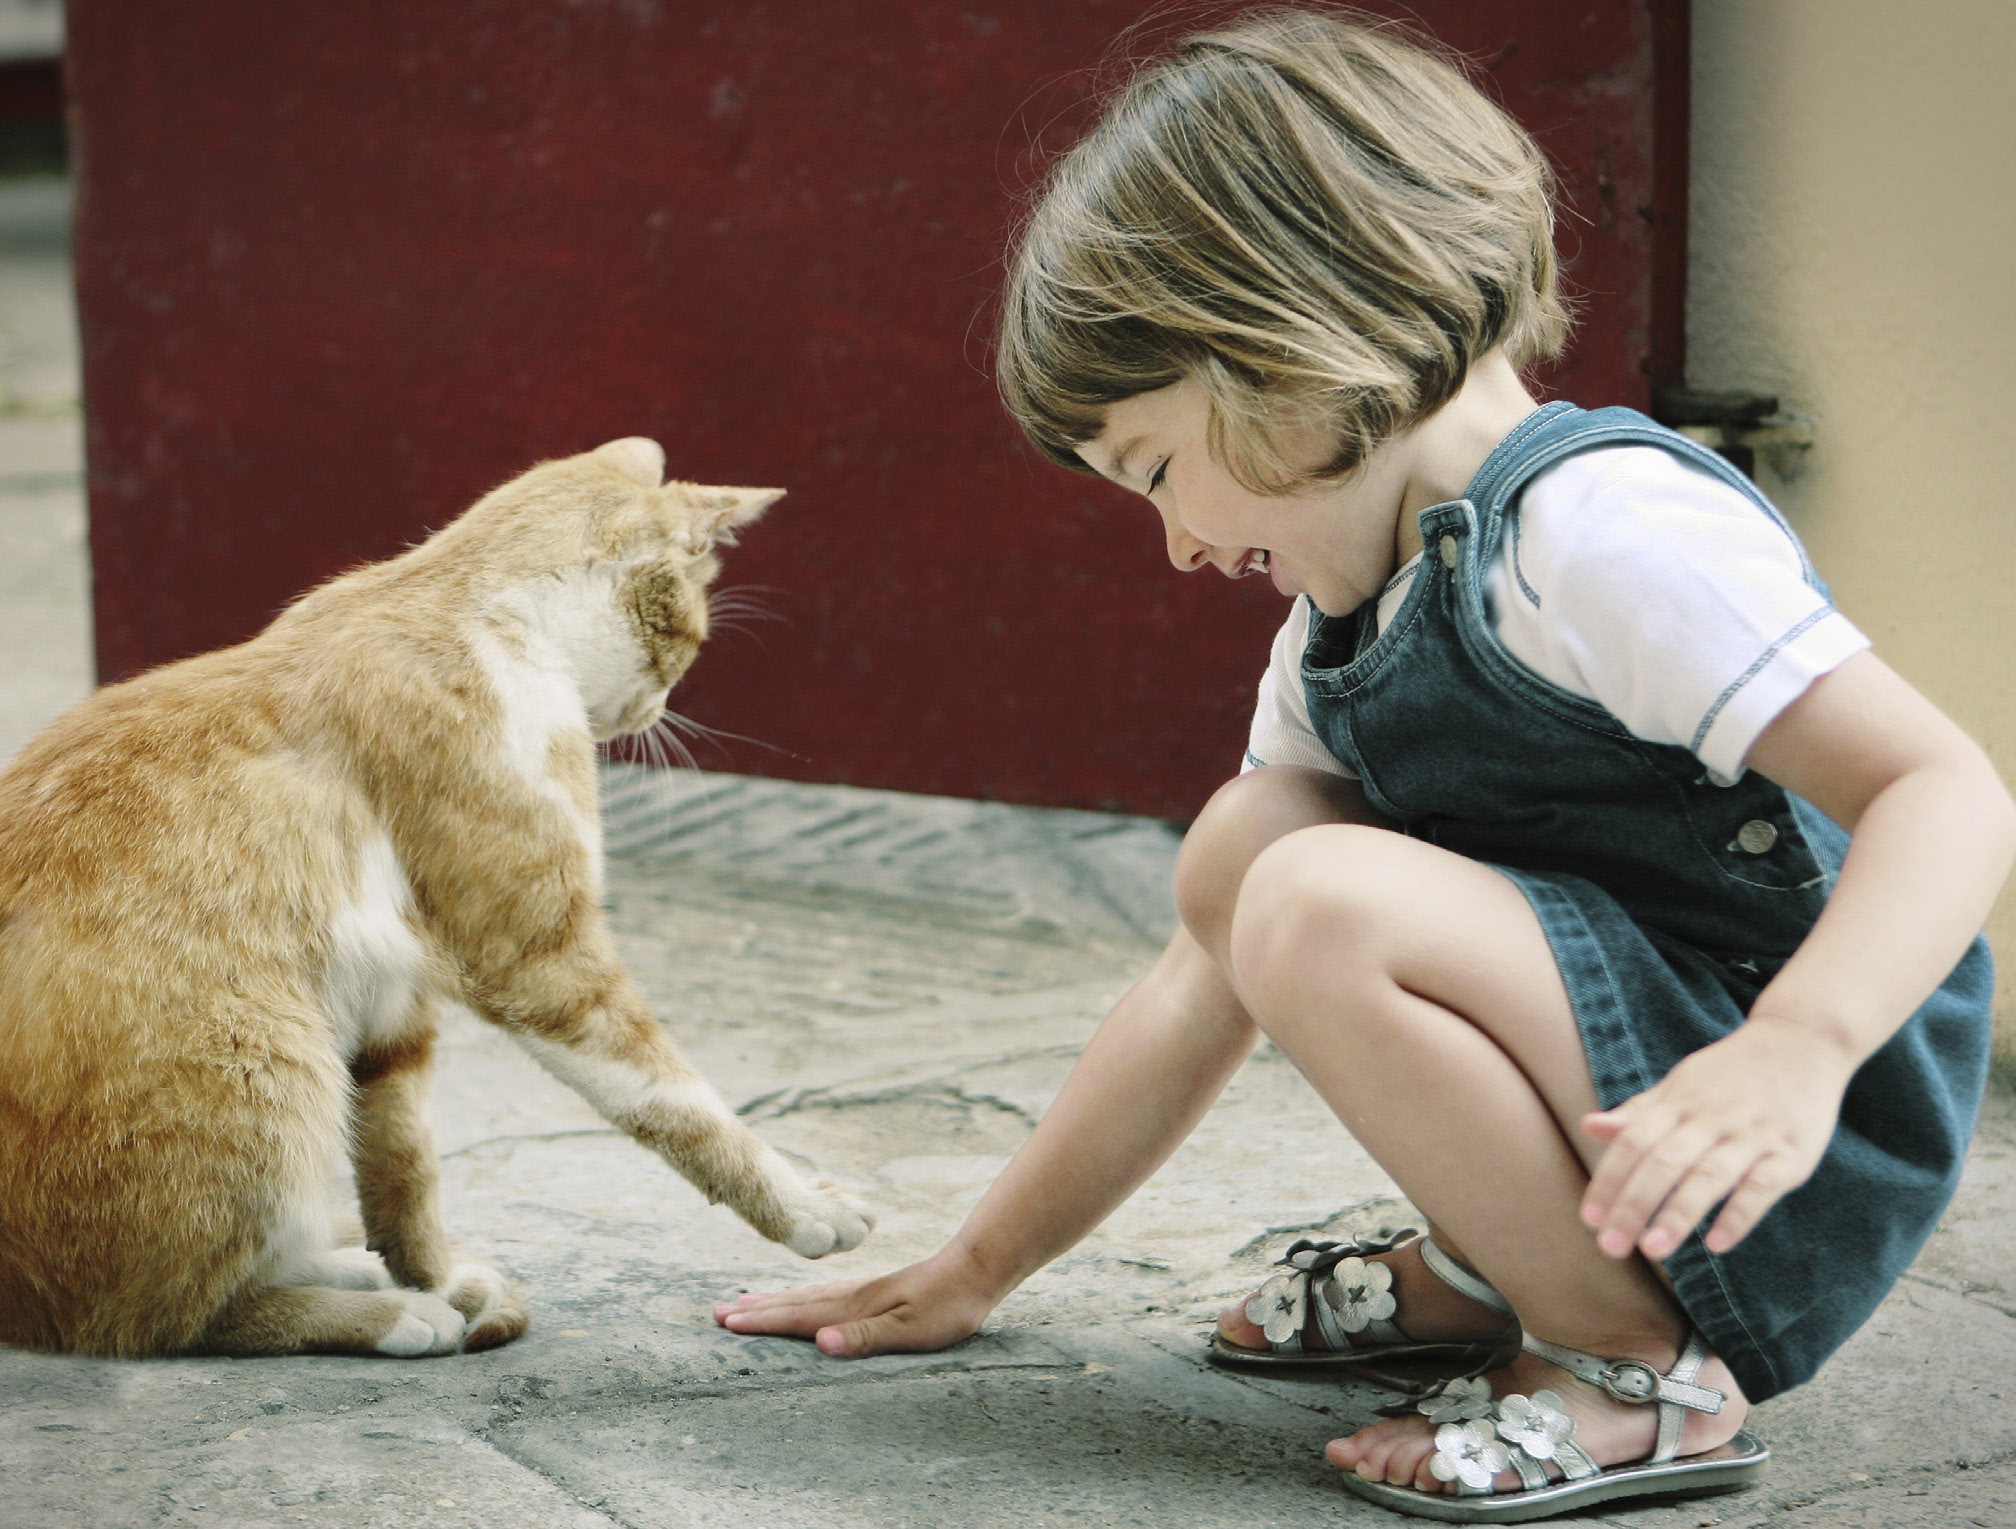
<point x="664" y="748"/>
<point x="678" y="723"/>
<point x="741" y="609"/>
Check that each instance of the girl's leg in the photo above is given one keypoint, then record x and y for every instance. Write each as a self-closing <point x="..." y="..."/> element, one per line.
<point x="1417" y="993"/>
<point x="1243" y="818"/>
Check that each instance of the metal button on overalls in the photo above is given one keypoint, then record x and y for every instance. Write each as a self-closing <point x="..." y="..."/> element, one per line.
<point x="1756" y="836"/>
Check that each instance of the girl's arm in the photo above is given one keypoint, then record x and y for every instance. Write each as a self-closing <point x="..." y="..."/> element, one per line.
<point x="1749" y="1117"/>
<point x="1144" y="1080"/>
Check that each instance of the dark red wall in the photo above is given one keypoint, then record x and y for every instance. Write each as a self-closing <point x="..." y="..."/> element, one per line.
<point x="343" y="267"/>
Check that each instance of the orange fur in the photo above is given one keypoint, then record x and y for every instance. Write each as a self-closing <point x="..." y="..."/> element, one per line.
<point x="230" y="890"/>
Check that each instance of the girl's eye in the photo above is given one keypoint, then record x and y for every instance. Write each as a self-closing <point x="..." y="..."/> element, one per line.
<point x="1155" y="478"/>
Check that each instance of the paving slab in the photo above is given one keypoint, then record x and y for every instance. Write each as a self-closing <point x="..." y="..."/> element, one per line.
<point x="907" y="1044"/>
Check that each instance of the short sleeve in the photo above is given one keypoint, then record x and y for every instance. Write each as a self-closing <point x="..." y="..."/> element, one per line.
<point x="1668" y="597"/>
<point x="1281" y="731"/>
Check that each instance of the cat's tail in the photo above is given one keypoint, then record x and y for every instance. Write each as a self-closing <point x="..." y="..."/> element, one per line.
<point x="494" y="1308"/>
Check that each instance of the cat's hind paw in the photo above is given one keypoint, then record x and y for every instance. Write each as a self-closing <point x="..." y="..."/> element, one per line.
<point x="428" y="1325"/>
<point x="826" y="1219"/>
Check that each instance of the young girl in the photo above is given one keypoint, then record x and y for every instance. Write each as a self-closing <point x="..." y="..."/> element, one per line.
<point x="1541" y="869"/>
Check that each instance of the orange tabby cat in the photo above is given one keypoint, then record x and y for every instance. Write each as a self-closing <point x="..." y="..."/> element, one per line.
<point x="231" y="891"/>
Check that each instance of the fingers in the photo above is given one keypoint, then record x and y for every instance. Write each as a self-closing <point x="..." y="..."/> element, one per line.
<point x="891" y="1332"/>
<point x="1759" y="1191"/>
<point x="799" y="1313"/>
<point x="1661" y="1176"/>
<point x="1603" y="1125"/>
<point x="1657" y="1178"/>
<point x="1718" y="1172"/>
<point x="904" y="1312"/>
<point x="1646" y="1157"/>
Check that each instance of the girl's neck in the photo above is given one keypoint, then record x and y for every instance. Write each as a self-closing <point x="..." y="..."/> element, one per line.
<point x="1445" y="450"/>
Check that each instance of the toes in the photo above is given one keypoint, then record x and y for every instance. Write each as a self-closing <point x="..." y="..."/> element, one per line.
<point x="429" y="1325"/>
<point x="1359" y="1451"/>
<point x="1395" y="1451"/>
<point x="1427" y="1481"/>
<point x="812" y="1239"/>
<point x="831" y="1222"/>
<point x="1235" y="1328"/>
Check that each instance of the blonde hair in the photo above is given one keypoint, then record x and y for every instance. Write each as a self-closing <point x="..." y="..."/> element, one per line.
<point x="1315" y="217"/>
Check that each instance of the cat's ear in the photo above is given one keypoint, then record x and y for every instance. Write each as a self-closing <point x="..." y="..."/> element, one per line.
<point x="719" y="512"/>
<point x="637" y="457"/>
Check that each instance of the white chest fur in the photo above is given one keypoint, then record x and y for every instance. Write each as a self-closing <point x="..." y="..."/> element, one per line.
<point x="571" y="667"/>
<point x="375" y="959"/>
<point x="585" y="663"/>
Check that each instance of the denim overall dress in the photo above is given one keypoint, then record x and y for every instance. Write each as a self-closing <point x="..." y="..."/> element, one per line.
<point x="1669" y="897"/>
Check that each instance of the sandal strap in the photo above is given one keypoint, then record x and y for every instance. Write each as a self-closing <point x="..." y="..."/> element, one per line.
<point x="1635" y="1381"/>
<point x="1462" y="1280"/>
<point x="1327" y="1324"/>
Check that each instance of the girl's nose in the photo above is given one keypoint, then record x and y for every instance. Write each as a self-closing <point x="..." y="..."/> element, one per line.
<point x="1185" y="551"/>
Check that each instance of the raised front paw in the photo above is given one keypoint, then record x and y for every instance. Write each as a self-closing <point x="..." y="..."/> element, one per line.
<point x="824" y="1218"/>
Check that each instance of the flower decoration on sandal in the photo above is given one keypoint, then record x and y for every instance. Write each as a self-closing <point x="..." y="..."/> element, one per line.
<point x="1360" y="1293"/>
<point x="1469" y="1452"/>
<point x="1535" y="1423"/>
<point x="1455" y="1401"/>
<point x="1279" y="1306"/>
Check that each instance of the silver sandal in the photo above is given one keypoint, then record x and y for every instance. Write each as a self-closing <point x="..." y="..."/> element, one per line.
<point x="1333" y="1310"/>
<point x="1478" y="1438"/>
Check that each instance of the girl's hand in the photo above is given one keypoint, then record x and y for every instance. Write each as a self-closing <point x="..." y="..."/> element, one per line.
<point x="1746" y="1118"/>
<point x="929" y="1305"/>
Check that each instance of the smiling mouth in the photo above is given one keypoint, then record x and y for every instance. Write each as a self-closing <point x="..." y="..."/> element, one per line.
<point x="1253" y="562"/>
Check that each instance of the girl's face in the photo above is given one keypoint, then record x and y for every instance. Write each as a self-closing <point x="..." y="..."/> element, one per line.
<point x="1337" y="544"/>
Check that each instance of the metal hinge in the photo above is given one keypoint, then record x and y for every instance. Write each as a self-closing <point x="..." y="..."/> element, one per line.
<point x="1738" y="424"/>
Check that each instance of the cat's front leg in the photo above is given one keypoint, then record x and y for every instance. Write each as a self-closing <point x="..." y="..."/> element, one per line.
<point x="595" y="1034"/>
<point x="398" y="1185"/>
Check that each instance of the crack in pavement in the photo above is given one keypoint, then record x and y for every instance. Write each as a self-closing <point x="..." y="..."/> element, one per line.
<point x="1967" y="1289"/>
<point x="598" y="1506"/>
<point x="950" y="1095"/>
<point x="788" y="1101"/>
<point x="491" y="1141"/>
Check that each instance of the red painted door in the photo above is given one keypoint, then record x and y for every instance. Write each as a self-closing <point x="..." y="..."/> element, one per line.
<point x="343" y="267"/>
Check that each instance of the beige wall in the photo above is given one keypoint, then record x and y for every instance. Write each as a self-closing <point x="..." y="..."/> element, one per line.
<point x="1854" y="250"/>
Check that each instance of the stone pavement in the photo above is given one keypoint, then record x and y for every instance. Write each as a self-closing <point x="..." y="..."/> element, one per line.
<point x="891" y="988"/>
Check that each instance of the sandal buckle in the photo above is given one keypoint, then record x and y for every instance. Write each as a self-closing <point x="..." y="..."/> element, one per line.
<point x="1629" y="1380"/>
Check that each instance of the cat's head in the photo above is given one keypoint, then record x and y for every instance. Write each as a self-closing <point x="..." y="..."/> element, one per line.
<point x="665" y="541"/>
<point x="598" y="560"/>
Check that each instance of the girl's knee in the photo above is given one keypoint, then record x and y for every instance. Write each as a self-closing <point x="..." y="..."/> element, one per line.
<point x="1241" y="820"/>
<point x="1316" y="893"/>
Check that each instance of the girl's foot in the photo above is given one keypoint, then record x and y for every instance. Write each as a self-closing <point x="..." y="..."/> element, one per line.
<point x="1425" y="1306"/>
<point x="1398" y="1450"/>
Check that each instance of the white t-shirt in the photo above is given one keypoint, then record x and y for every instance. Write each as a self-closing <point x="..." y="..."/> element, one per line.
<point x="1637" y="581"/>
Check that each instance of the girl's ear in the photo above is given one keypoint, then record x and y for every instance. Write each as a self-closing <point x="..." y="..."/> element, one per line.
<point x="719" y="512"/>
<point x="637" y="457"/>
